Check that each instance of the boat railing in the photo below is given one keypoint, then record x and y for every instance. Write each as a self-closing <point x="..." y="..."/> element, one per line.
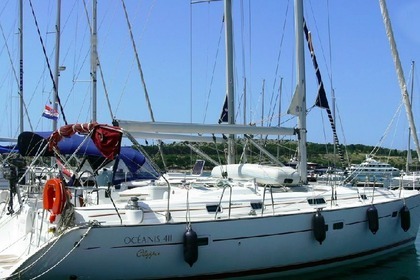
<point x="224" y="184"/>
<point x="270" y="188"/>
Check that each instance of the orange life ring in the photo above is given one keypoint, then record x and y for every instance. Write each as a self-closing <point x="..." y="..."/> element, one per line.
<point x="54" y="197"/>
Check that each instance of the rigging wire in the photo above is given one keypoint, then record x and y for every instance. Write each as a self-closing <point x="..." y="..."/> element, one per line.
<point x="160" y="143"/>
<point x="191" y="63"/>
<point x="250" y="60"/>
<point x="320" y="45"/>
<point x="244" y="95"/>
<point x="100" y="67"/>
<point x="276" y="72"/>
<point x="347" y="156"/>
<point x="8" y="105"/>
<point x="48" y="63"/>
<point x="381" y="140"/>
<point x="138" y="62"/>
<point x="331" y="115"/>
<point x="123" y="52"/>
<point x="15" y="74"/>
<point x="118" y="58"/>
<point x="83" y="60"/>
<point x="76" y="66"/>
<point x="214" y="70"/>
<point x="330" y="53"/>
<point x="321" y="100"/>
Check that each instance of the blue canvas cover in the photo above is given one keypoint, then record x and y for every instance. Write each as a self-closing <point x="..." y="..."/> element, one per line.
<point x="130" y="164"/>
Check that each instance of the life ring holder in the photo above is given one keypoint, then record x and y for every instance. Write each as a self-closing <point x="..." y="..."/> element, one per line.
<point x="54" y="197"/>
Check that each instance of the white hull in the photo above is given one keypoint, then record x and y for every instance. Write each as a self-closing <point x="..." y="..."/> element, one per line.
<point x="245" y="244"/>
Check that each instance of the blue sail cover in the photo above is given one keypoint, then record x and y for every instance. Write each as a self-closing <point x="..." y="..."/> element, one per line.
<point x="8" y="149"/>
<point x="31" y="143"/>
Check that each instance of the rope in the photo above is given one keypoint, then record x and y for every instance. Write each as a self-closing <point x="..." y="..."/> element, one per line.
<point x="48" y="62"/>
<point x="60" y="261"/>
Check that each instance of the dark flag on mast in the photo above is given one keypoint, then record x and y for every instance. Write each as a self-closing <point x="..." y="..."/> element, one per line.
<point x="224" y="115"/>
<point x="321" y="99"/>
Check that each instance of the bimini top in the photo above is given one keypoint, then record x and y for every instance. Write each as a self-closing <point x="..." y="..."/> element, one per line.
<point x="8" y="149"/>
<point x="104" y="142"/>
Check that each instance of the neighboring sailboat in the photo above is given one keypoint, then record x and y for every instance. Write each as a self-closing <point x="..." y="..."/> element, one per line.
<point x="234" y="228"/>
<point x="408" y="179"/>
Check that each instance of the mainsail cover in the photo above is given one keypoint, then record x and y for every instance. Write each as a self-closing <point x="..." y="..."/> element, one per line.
<point x="321" y="100"/>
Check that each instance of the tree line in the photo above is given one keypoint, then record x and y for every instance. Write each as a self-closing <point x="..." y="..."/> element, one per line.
<point x="178" y="155"/>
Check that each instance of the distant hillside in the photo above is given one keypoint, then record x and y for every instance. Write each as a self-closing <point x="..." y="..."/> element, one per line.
<point x="180" y="156"/>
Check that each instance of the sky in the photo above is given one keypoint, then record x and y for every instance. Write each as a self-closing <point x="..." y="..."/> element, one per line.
<point x="181" y="51"/>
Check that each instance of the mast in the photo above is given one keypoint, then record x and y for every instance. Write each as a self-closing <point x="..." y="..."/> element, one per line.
<point x="279" y="118"/>
<point x="244" y="109"/>
<point x="262" y="110"/>
<point x="21" y="66"/>
<point x="94" y="59"/>
<point x="409" y="159"/>
<point x="400" y="74"/>
<point x="262" y="102"/>
<point x="301" y="89"/>
<point x="229" y="78"/>
<point x="245" y="157"/>
<point x="57" y="59"/>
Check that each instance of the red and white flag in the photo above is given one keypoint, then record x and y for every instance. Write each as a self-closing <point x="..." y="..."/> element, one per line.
<point x="50" y="113"/>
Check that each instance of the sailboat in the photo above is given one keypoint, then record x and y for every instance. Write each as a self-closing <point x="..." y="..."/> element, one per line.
<point x="235" y="228"/>
<point x="408" y="179"/>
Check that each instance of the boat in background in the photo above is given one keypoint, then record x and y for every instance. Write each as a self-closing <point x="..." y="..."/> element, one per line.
<point x="407" y="181"/>
<point x="372" y="172"/>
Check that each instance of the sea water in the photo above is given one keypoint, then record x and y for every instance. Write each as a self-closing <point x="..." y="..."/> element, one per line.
<point x="401" y="265"/>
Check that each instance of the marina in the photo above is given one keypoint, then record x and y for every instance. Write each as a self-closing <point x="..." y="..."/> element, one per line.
<point x="85" y="200"/>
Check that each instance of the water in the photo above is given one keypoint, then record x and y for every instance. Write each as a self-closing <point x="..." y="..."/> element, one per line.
<point x="402" y="265"/>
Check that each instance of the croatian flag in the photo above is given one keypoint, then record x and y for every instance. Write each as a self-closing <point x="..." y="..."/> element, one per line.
<point x="50" y="113"/>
